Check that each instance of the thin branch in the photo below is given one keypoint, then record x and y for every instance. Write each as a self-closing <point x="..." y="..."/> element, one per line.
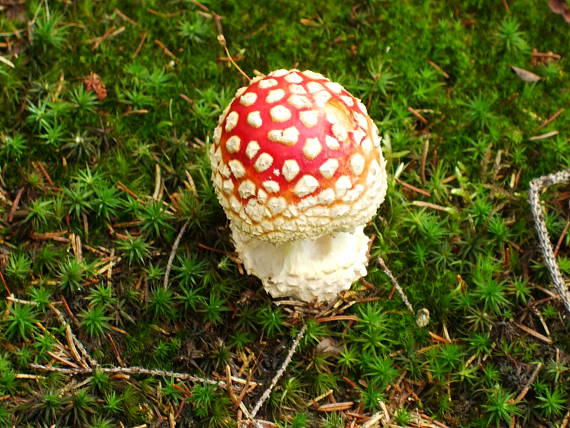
<point x="395" y="284"/>
<point x="278" y="375"/>
<point x="69" y="331"/>
<point x="173" y="253"/>
<point x="137" y="371"/>
<point x="536" y="186"/>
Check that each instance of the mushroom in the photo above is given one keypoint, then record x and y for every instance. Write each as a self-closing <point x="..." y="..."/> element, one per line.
<point x="298" y="169"/>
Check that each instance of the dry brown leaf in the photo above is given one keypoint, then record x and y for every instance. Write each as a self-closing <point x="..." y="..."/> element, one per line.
<point x="94" y="83"/>
<point x="328" y="346"/>
<point x="525" y="75"/>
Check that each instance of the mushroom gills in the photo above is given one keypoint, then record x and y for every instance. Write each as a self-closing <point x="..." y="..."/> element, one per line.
<point x="307" y="269"/>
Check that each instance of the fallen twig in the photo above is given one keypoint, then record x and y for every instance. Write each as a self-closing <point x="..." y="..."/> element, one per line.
<point x="536" y="186"/>
<point x="278" y="375"/>
<point x="173" y="253"/>
<point x="136" y="371"/>
<point x="395" y="284"/>
<point x="529" y="383"/>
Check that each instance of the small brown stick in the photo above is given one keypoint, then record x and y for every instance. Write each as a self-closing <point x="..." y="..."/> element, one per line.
<point x="338" y="318"/>
<point x="551" y="119"/>
<point x="201" y="6"/>
<point x="222" y="41"/>
<point x="126" y="189"/>
<point x="157" y="182"/>
<point x="544" y="136"/>
<point x="140" y="45"/>
<point x="531" y="380"/>
<point x="279" y="373"/>
<point x="335" y="407"/>
<point x="430" y="205"/>
<point x="72" y="348"/>
<point x="319" y="398"/>
<point x="551" y="55"/>
<point x="173" y="253"/>
<point x="140" y="111"/>
<point x="438" y="68"/>
<point x="536" y="186"/>
<point x="414" y="188"/>
<point x="125" y="17"/>
<point x="8" y="292"/>
<point x="395" y="284"/>
<point x="79" y="345"/>
<point x="230" y="390"/>
<point x="424" y="161"/>
<point x="111" y="32"/>
<point x="7" y="62"/>
<point x="41" y="167"/>
<point x="15" y="204"/>
<point x="506" y="5"/>
<point x="116" y="350"/>
<point x="418" y="115"/>
<point x="133" y="371"/>
<point x="561" y="239"/>
<point x="63" y="360"/>
<point x="13" y="299"/>
<point x="533" y="333"/>
<point x="163" y="15"/>
<point x="164" y="49"/>
<point x="374" y="421"/>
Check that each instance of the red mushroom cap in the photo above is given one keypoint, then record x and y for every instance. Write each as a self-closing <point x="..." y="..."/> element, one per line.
<point x="297" y="156"/>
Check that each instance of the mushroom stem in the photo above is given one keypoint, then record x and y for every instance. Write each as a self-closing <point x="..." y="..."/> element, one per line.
<point x="306" y="269"/>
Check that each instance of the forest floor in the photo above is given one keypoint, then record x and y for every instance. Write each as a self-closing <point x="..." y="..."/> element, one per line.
<point x="106" y="114"/>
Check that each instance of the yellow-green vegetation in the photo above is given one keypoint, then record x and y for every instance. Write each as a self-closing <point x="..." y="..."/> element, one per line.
<point x="98" y="174"/>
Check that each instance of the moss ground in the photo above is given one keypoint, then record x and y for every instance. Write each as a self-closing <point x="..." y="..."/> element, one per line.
<point x="98" y="174"/>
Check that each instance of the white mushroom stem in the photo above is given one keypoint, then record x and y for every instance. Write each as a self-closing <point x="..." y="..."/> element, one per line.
<point x="306" y="269"/>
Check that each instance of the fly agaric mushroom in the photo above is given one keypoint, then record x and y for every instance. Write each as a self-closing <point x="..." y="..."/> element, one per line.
<point x="298" y="169"/>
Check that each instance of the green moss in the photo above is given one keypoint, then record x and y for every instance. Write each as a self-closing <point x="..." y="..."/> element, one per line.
<point x="92" y="231"/>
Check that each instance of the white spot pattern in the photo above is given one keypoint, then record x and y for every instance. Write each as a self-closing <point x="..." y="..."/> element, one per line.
<point x="312" y="75"/>
<point x="288" y="136"/>
<point x="334" y="87"/>
<point x="274" y="96"/>
<point x="290" y="169"/>
<point x="267" y="83"/>
<point x="271" y="186"/>
<point x="246" y="189"/>
<point x="277" y="205"/>
<point x="254" y="119"/>
<point x="297" y="89"/>
<point x="263" y="162"/>
<point x="309" y="118"/>
<point x="252" y="149"/>
<point x="280" y="113"/>
<point x="228" y="186"/>
<point x="305" y="186"/>
<point x="332" y="143"/>
<point x="293" y="78"/>
<point x="347" y="100"/>
<point x="248" y="99"/>
<point x="232" y="120"/>
<point x="314" y="87"/>
<point x="299" y="101"/>
<point x="233" y="143"/>
<point x="357" y="163"/>
<point x="312" y="148"/>
<point x="237" y="168"/>
<point x="329" y="167"/>
<point x="217" y="134"/>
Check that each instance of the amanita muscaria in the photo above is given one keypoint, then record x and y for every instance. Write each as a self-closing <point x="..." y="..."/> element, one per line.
<point x="298" y="169"/>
